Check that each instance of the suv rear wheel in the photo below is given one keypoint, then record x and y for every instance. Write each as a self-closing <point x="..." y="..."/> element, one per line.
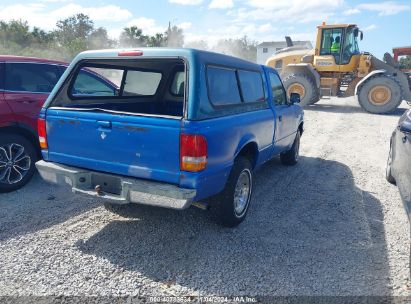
<point x="17" y="159"/>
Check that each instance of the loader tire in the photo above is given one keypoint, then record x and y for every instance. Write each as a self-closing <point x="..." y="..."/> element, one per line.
<point x="303" y="85"/>
<point x="380" y="95"/>
<point x="315" y="100"/>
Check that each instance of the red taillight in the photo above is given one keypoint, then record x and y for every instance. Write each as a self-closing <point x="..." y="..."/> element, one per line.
<point x="41" y="130"/>
<point x="130" y="53"/>
<point x="193" y="152"/>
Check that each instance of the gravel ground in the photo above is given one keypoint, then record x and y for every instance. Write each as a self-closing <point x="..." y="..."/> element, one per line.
<point x="331" y="225"/>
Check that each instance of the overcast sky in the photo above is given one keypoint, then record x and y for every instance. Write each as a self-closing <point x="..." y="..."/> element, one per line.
<point x="386" y="24"/>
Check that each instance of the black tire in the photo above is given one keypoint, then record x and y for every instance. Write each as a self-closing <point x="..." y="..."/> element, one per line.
<point x="124" y="210"/>
<point x="18" y="168"/>
<point x="226" y="201"/>
<point x="311" y="93"/>
<point x="388" y="170"/>
<point x="394" y="96"/>
<point x="290" y="158"/>
<point x="315" y="100"/>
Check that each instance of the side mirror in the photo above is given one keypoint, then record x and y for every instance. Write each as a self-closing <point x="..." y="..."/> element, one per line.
<point x="361" y="35"/>
<point x="294" y="98"/>
<point x="405" y="126"/>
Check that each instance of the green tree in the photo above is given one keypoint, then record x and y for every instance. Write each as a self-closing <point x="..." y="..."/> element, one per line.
<point x="158" y="40"/>
<point x="198" y="44"/>
<point x="15" y="31"/>
<point x="405" y="62"/>
<point x="174" y="36"/>
<point x="133" y="37"/>
<point x="72" y="33"/>
<point x="98" y="39"/>
<point x="39" y="36"/>
<point x="242" y="48"/>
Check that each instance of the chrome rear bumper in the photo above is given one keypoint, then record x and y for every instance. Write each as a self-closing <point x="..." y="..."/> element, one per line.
<point x="116" y="189"/>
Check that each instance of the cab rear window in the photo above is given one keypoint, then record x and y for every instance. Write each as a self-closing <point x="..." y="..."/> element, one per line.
<point x="104" y="82"/>
<point x="177" y="86"/>
<point x="96" y="82"/>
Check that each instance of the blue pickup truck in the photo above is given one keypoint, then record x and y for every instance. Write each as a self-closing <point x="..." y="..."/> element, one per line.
<point x="175" y="127"/>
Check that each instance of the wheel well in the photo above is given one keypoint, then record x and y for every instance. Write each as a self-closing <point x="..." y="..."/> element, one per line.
<point x="380" y="75"/>
<point x="25" y="133"/>
<point x="250" y="151"/>
<point x="361" y="83"/>
<point x="304" y="70"/>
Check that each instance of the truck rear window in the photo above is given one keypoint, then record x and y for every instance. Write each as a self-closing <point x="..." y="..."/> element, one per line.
<point x="144" y="86"/>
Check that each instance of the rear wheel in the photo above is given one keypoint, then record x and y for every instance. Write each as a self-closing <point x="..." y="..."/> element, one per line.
<point x="290" y="158"/>
<point x="17" y="159"/>
<point x="234" y="201"/>
<point x="303" y="85"/>
<point x="380" y="95"/>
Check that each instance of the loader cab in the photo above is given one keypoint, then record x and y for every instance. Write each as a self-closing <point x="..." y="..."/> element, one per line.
<point x="337" y="45"/>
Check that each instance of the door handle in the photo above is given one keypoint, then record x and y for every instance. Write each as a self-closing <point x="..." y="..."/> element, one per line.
<point x="104" y="124"/>
<point x="280" y="118"/>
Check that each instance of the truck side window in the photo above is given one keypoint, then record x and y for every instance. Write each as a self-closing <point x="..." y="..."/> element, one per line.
<point x="222" y="86"/>
<point x="251" y="86"/>
<point x="277" y="88"/>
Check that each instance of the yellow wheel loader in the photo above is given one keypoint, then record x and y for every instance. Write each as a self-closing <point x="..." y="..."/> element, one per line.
<point x="336" y="67"/>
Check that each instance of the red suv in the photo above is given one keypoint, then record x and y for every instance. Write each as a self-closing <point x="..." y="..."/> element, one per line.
<point x="25" y="84"/>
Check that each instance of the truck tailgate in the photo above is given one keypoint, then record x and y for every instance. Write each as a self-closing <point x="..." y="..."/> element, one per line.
<point x="131" y="145"/>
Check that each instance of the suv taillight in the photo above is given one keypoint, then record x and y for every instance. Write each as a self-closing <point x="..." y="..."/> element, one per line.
<point x="41" y="130"/>
<point x="193" y="152"/>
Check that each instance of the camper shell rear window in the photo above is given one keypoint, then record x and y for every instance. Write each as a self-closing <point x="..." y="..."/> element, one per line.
<point x="135" y="86"/>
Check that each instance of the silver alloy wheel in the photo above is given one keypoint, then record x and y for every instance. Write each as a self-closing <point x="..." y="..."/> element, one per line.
<point x="242" y="192"/>
<point x="14" y="163"/>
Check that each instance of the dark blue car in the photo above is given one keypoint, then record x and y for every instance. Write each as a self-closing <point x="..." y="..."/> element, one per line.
<point x="399" y="160"/>
<point x="184" y="126"/>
